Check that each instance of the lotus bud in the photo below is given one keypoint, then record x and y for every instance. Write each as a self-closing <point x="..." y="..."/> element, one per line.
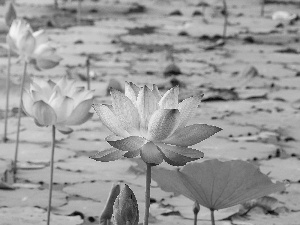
<point x="10" y="14"/>
<point x="196" y="208"/>
<point x="125" y="208"/>
<point x="107" y="212"/>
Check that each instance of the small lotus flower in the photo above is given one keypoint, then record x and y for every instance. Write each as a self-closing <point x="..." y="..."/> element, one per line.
<point x="153" y="126"/>
<point x="33" y="46"/>
<point x="61" y="104"/>
<point x="125" y="208"/>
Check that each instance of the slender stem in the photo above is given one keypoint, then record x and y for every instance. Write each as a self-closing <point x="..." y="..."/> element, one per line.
<point x="225" y="19"/>
<point x="51" y="175"/>
<point x="79" y="13"/>
<point x="147" y="194"/>
<point x="196" y="211"/>
<point x="55" y="4"/>
<point x="88" y="73"/>
<point x="7" y="94"/>
<point x="195" y="218"/>
<point x="262" y="10"/>
<point x="212" y="216"/>
<point x="19" y="117"/>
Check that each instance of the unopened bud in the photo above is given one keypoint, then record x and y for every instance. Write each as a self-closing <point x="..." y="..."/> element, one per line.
<point x="196" y="208"/>
<point x="126" y="210"/>
<point x="107" y="212"/>
<point x="10" y="14"/>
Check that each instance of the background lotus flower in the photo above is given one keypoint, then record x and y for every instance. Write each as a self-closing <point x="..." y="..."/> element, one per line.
<point x="153" y="126"/>
<point x="125" y="208"/>
<point x="33" y="46"/>
<point x="61" y="104"/>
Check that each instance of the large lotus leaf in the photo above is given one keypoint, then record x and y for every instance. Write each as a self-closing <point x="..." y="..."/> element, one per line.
<point x="218" y="185"/>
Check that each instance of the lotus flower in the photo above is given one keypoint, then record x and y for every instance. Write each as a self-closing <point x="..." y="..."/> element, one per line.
<point x="33" y="46"/>
<point x="153" y="126"/>
<point x="125" y="208"/>
<point x="61" y="104"/>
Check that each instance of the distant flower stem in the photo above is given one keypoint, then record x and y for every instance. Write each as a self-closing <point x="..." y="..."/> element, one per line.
<point x="19" y="117"/>
<point x="225" y="19"/>
<point x="55" y="4"/>
<point x="147" y="194"/>
<point x="212" y="216"/>
<point x="51" y="175"/>
<point x="262" y="10"/>
<point x="79" y="13"/>
<point x="7" y="94"/>
<point x="88" y="73"/>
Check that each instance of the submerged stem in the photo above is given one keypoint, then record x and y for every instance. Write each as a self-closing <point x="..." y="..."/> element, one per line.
<point x="7" y="94"/>
<point x="262" y="10"/>
<point x="51" y="175"/>
<point x="19" y="118"/>
<point x="147" y="193"/>
<point x="212" y="216"/>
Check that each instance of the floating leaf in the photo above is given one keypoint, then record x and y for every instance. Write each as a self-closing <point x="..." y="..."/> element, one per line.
<point x="217" y="185"/>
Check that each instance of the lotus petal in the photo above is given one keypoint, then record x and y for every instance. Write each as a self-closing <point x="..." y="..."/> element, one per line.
<point x="81" y="113"/>
<point x="187" y="109"/>
<point x="146" y="104"/>
<point x="125" y="111"/>
<point x="156" y="93"/>
<point x="191" y="135"/>
<point x="150" y="154"/>
<point x="131" y="91"/>
<point x="128" y="144"/>
<point x="170" y="99"/>
<point x="43" y="113"/>
<point x="179" y="156"/>
<point x="10" y="14"/>
<point x="108" y="155"/>
<point x="63" y="108"/>
<point x="64" y="129"/>
<point x="27" y="103"/>
<point x="162" y="124"/>
<point x="109" y="119"/>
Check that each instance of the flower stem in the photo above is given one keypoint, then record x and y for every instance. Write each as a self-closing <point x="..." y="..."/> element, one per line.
<point x="7" y="94"/>
<point x="147" y="193"/>
<point x="19" y="118"/>
<point x="225" y="19"/>
<point x="79" y="13"/>
<point x="55" y="4"/>
<point x="212" y="216"/>
<point x="195" y="218"/>
<point x="51" y="175"/>
<point x="262" y="10"/>
<point x="88" y="73"/>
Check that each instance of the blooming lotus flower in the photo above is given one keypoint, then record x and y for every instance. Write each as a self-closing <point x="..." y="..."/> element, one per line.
<point x="33" y="46"/>
<point x="125" y="208"/>
<point x="153" y="126"/>
<point x="61" y="104"/>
